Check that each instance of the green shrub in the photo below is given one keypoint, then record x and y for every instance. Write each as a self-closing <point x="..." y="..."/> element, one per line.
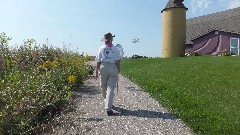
<point x="32" y="79"/>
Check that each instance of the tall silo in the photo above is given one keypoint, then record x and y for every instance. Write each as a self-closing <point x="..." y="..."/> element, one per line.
<point x="173" y="29"/>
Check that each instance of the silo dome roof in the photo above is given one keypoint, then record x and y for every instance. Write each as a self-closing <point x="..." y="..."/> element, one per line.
<point x="174" y="4"/>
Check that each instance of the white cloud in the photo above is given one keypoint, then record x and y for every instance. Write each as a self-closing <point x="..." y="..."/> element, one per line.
<point x="229" y="4"/>
<point x="202" y="5"/>
<point x="233" y="4"/>
<point x="199" y="5"/>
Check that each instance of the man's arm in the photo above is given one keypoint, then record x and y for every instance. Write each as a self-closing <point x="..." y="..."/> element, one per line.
<point x="117" y="62"/>
<point x="97" y="69"/>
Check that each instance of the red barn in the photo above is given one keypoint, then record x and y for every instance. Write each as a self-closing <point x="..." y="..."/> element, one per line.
<point x="214" y="33"/>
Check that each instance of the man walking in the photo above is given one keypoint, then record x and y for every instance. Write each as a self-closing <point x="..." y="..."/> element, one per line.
<point x="108" y="63"/>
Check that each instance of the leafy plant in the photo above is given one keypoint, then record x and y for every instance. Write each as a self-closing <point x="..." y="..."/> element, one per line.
<point x="32" y="79"/>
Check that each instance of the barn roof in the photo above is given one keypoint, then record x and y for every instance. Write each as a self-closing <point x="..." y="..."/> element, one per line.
<point x="227" y="21"/>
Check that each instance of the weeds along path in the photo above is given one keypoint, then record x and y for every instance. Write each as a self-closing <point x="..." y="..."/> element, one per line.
<point x="135" y="112"/>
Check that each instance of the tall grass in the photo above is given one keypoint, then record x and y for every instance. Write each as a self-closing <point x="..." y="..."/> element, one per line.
<point x="203" y="91"/>
<point x="34" y="80"/>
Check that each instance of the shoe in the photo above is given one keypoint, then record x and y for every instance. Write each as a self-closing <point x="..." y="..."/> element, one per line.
<point x="110" y="112"/>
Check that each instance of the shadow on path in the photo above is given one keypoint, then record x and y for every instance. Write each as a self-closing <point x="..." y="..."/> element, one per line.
<point x="91" y="119"/>
<point x="91" y="90"/>
<point x="143" y="113"/>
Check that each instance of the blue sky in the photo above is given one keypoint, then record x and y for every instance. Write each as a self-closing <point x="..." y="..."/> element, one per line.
<point x="80" y="24"/>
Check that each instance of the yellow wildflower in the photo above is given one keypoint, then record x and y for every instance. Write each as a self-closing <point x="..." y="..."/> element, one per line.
<point x="86" y="58"/>
<point x="41" y="67"/>
<point x="54" y="63"/>
<point x="46" y="64"/>
<point x="14" y="61"/>
<point x="72" y="79"/>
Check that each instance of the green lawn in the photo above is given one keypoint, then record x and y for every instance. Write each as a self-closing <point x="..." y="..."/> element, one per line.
<point x="203" y="91"/>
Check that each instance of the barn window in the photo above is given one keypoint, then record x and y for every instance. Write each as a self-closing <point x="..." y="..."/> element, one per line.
<point x="234" y="46"/>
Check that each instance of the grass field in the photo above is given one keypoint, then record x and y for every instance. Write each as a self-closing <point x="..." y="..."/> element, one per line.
<point x="203" y="91"/>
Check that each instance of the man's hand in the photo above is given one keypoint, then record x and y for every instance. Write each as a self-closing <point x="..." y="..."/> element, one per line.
<point x="97" y="75"/>
<point x="117" y="62"/>
<point x="97" y="69"/>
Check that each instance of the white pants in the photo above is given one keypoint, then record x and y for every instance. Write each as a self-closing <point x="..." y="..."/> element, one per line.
<point x="108" y="80"/>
